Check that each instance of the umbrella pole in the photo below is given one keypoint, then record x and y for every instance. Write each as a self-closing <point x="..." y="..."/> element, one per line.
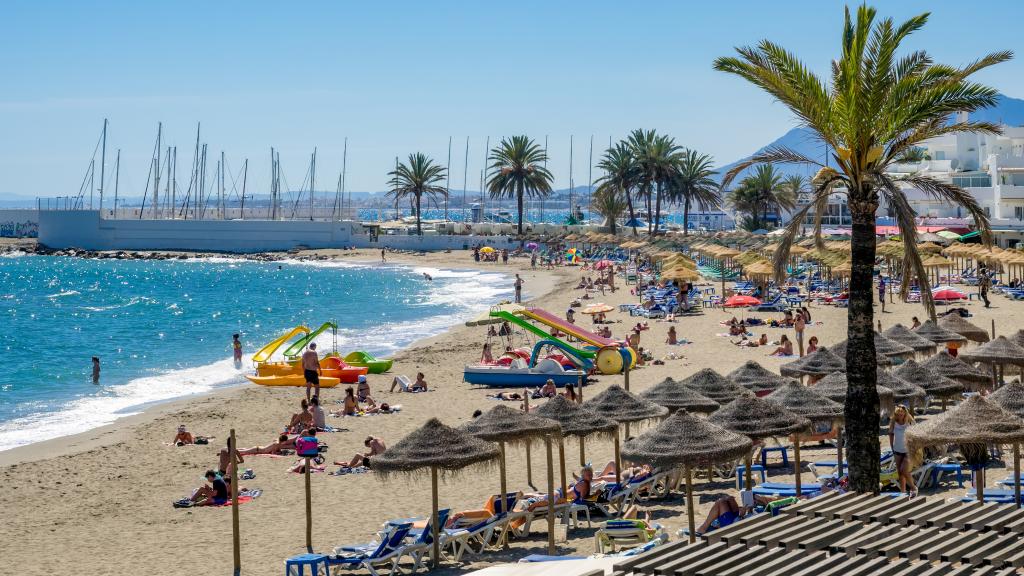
<point x="501" y="464"/>
<point x="579" y="395"/>
<point x="839" y="451"/>
<point x="979" y="483"/>
<point x="1016" y="473"/>
<point x="625" y="375"/>
<point x="561" y="462"/>
<point x="583" y="453"/>
<point x="235" y="540"/>
<point x="529" y="460"/>
<point x="551" y="496"/>
<point x="689" y="506"/>
<point x="618" y="460"/>
<point x="796" y="463"/>
<point x="747" y="472"/>
<point x="309" y="511"/>
<point x="434" y="528"/>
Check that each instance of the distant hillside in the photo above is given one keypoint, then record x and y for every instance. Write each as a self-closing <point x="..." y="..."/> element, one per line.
<point x="1008" y="111"/>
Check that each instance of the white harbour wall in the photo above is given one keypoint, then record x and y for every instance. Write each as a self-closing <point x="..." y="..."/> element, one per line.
<point x="85" y="229"/>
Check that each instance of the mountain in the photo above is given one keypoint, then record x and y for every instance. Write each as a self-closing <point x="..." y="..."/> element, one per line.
<point x="1009" y="111"/>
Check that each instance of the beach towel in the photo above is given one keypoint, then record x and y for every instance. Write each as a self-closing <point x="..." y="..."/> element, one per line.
<point x="243" y="497"/>
<point x="345" y="471"/>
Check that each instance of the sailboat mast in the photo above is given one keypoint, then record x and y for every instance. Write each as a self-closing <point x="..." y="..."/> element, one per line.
<point x="448" y="179"/>
<point x="465" y="180"/>
<point x="570" y="176"/>
<point x="156" y="169"/>
<point x="117" y="179"/>
<point x="103" y="164"/>
<point x="174" y="182"/>
<point x="312" y="182"/>
<point x="272" y="176"/>
<point x="542" y="199"/>
<point x="483" y="197"/>
<point x="590" y="173"/>
<point x="344" y="167"/>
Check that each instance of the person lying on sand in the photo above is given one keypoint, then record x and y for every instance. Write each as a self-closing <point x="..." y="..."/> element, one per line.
<point x="506" y="396"/>
<point x="420" y="385"/>
<point x="376" y="447"/>
<point x="384" y="408"/>
<point x="282" y="447"/>
<point x="183" y="437"/>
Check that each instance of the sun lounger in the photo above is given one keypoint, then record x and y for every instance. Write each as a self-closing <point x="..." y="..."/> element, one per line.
<point x="388" y="551"/>
<point x="422" y="545"/>
<point x="781" y="489"/>
<point x="475" y="538"/>
<point x="616" y="533"/>
<point x="998" y="495"/>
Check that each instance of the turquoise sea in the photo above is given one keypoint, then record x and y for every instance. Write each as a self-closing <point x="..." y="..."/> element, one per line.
<point x="162" y="329"/>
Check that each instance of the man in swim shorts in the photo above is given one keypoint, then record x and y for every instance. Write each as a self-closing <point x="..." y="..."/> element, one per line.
<point x="216" y="494"/>
<point x="311" y="369"/>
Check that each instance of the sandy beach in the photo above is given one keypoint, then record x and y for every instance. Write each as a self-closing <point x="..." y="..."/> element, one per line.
<point x="105" y="495"/>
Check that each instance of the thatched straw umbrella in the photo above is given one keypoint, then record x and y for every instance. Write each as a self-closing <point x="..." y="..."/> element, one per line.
<point x="676" y="396"/>
<point x="884" y="348"/>
<point x="1010" y="397"/>
<point x="972" y="425"/>
<point x="757" y="418"/>
<point x="624" y="407"/>
<point x="715" y="386"/>
<point x="933" y="383"/>
<point x="756" y="378"/>
<point x="577" y="421"/>
<point x="938" y="334"/>
<point x="810" y="404"/>
<point x="954" y="368"/>
<point x="437" y="447"/>
<point x="821" y="362"/>
<point x="997" y="353"/>
<point x="955" y="323"/>
<point x="903" y="335"/>
<point x="687" y="441"/>
<point x="834" y="388"/>
<point x="1018" y="338"/>
<point x="902" y="391"/>
<point x="506" y="425"/>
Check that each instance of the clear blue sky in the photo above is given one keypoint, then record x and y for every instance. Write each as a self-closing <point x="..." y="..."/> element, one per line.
<point x="397" y="77"/>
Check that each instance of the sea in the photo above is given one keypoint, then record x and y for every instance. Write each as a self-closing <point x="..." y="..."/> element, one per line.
<point x="162" y="329"/>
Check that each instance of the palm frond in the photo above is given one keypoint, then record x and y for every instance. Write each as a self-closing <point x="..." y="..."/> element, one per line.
<point x="771" y="155"/>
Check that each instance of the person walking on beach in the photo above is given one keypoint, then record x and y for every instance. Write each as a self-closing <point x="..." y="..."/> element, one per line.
<point x="881" y="291"/>
<point x="95" y="369"/>
<point x="901" y="420"/>
<point x="984" y="283"/>
<point x="798" y="326"/>
<point x="382" y="257"/>
<point x="236" y="346"/>
<point x="533" y="259"/>
<point x="519" y="289"/>
<point x="311" y="369"/>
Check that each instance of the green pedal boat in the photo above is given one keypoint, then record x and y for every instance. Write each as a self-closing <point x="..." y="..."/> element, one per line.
<point x="375" y="366"/>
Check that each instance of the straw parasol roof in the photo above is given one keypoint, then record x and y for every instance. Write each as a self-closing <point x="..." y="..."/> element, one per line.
<point x="504" y="424"/>
<point x="817" y="363"/>
<point x="807" y="402"/>
<point x="954" y="323"/>
<point x="998" y="351"/>
<point x="956" y="369"/>
<point x="834" y="387"/>
<point x="715" y="386"/>
<point x="937" y="334"/>
<point x="932" y="382"/>
<point x="901" y="389"/>
<point x="434" y="445"/>
<point x="680" y="273"/>
<point x="976" y="420"/>
<point x="755" y="377"/>
<point x="574" y="419"/>
<point x="903" y="335"/>
<point x="1018" y="338"/>
<point x="622" y="406"/>
<point x="759" y="418"/>
<point x="1010" y="397"/>
<point x="676" y="396"/>
<point x="685" y="440"/>
<point x="883" y="347"/>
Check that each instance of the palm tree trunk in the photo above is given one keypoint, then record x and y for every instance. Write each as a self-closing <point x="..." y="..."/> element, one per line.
<point x="419" y="231"/>
<point x="632" y="213"/>
<point x="519" y="206"/>
<point x="686" y="216"/>
<point x="657" y="207"/>
<point x="861" y="410"/>
<point x="647" y="201"/>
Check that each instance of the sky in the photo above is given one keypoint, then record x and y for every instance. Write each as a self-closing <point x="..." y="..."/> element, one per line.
<point x="400" y="77"/>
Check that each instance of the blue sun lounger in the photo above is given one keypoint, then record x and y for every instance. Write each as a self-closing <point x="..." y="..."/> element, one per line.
<point x="388" y="551"/>
<point x="999" y="496"/>
<point x="783" y="490"/>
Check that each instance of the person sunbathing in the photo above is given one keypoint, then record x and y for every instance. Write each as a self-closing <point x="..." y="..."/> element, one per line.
<point x="384" y="408"/>
<point x="300" y="420"/>
<point x="738" y="329"/>
<point x="225" y="463"/>
<point x="363" y="391"/>
<point x="376" y="447"/>
<point x="548" y="390"/>
<point x="420" y="385"/>
<point x="183" y="437"/>
<point x="506" y="396"/>
<point x="216" y="494"/>
<point x="672" y="339"/>
<point x="785" y="347"/>
<point x="280" y="448"/>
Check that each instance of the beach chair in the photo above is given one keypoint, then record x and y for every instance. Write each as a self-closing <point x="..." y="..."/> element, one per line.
<point x="783" y="489"/>
<point x="476" y="538"/>
<point x="387" y="552"/>
<point x="617" y="533"/>
<point x="776" y="305"/>
<point x="422" y="545"/>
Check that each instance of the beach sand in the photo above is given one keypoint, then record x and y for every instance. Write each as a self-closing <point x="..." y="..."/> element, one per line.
<point x="100" y="502"/>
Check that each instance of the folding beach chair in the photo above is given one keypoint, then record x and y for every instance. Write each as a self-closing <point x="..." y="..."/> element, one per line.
<point x="388" y="551"/>
<point x="617" y="533"/>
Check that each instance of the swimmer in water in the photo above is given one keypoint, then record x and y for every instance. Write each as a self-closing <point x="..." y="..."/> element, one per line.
<point x="428" y="276"/>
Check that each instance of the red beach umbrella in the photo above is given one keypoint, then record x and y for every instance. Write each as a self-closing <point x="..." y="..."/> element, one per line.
<point x="740" y="300"/>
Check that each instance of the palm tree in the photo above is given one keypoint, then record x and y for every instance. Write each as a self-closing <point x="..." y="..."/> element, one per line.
<point x="794" y="185"/>
<point x="745" y="199"/>
<point x="621" y="176"/>
<point x="611" y="203"/>
<point x="656" y="157"/>
<point x="415" y="179"/>
<point x="518" y="171"/>
<point x="692" y="184"/>
<point x="876" y="106"/>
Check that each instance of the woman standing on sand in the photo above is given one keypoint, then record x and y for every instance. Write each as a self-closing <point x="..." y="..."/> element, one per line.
<point x="901" y="420"/>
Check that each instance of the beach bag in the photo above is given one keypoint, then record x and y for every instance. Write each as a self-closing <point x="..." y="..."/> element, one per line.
<point x="307" y="446"/>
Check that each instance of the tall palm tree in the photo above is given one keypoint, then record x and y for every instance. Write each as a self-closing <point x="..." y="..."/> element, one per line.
<point x="518" y="171"/>
<point x="656" y="156"/>
<point x="794" y="185"/>
<point x="621" y="176"/>
<point x="745" y="200"/>
<point x="692" y="184"/>
<point x="417" y="178"/>
<point x="876" y="106"/>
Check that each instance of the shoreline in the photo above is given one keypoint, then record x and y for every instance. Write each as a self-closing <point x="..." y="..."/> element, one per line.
<point x="117" y="431"/>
